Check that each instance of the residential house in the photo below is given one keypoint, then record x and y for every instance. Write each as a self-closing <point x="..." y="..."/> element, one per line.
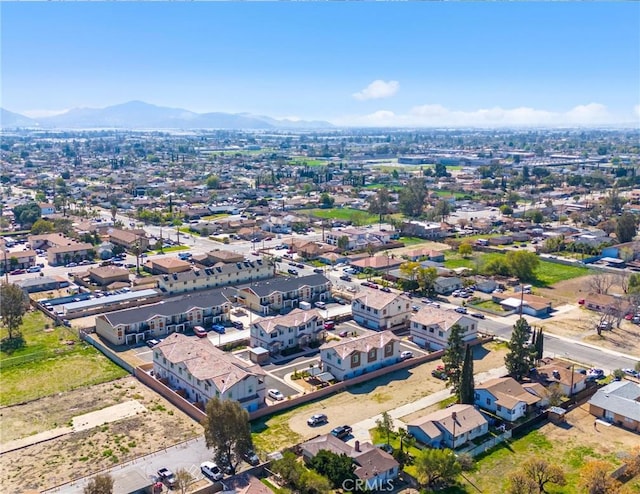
<point x="377" y="263"/>
<point x="372" y="465"/>
<point x="430" y="327"/>
<point x="360" y="238"/>
<point x="446" y="285"/>
<point x="380" y="310"/>
<point x="167" y="265"/>
<point x="451" y="427"/>
<point x="46" y="209"/>
<point x="278" y="224"/>
<point x="43" y="284"/>
<point x="420" y="253"/>
<point x="218" y="275"/>
<point x="283" y="294"/>
<point x="298" y="328"/>
<point x="104" y="276"/>
<point x="61" y="249"/>
<point x="176" y="314"/>
<point x="532" y="305"/>
<point x="422" y="229"/>
<point x="202" y="372"/>
<point x="618" y="403"/>
<point x="352" y="357"/>
<point x="603" y="302"/>
<point x="20" y="259"/>
<point x="214" y="257"/>
<point x="130" y="240"/>
<point x="560" y="373"/>
<point x="508" y="399"/>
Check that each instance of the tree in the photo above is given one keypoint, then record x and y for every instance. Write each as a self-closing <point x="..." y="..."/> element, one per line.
<point x="436" y="466"/>
<point x="626" y="228"/>
<point x="379" y="203"/>
<point x="453" y="358"/>
<point x="384" y="425"/>
<point x="343" y="243"/>
<point x="27" y="214"/>
<point x="522" y="264"/>
<point x="506" y="210"/>
<point x="213" y="182"/>
<point x="41" y="226"/>
<point x="555" y="395"/>
<point x="288" y="468"/>
<point x="542" y="473"/>
<point x="518" y="359"/>
<point x="600" y="282"/>
<point x="412" y="197"/>
<point x="312" y="482"/>
<point x="539" y="344"/>
<point x="227" y="431"/>
<point x="100" y="484"/>
<point x="519" y="483"/>
<point x="337" y="468"/>
<point x="595" y="478"/>
<point x="409" y="269"/>
<point x="442" y="209"/>
<point x="426" y="278"/>
<point x="326" y="201"/>
<point x="441" y="170"/>
<point x="183" y="480"/>
<point x="14" y="305"/>
<point x="466" y="393"/>
<point x="465" y="249"/>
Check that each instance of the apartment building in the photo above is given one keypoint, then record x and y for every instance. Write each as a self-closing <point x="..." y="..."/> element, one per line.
<point x="360" y="238"/>
<point x="379" y="310"/>
<point x="430" y="327"/>
<point x="201" y="371"/>
<point x="298" y="328"/>
<point x="130" y="240"/>
<point x="283" y="294"/>
<point x="352" y="357"/>
<point x="177" y="314"/>
<point x="219" y="275"/>
<point x="60" y="249"/>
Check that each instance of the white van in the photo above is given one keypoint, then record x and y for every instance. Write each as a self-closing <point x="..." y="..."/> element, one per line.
<point x="320" y="305"/>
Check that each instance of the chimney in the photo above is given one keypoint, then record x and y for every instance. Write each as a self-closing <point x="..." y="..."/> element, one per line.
<point x="358" y="446"/>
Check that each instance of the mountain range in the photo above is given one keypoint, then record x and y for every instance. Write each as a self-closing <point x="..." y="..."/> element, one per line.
<point x="141" y="115"/>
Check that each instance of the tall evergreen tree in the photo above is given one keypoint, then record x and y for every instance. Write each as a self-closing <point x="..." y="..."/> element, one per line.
<point x="539" y="344"/>
<point x="467" y="388"/>
<point x="518" y="358"/>
<point x="453" y="358"/>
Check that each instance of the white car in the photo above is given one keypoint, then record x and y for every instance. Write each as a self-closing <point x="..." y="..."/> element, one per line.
<point x="211" y="470"/>
<point x="406" y="354"/>
<point x="275" y="394"/>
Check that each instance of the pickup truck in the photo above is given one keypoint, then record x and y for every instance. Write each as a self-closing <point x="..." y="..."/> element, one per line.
<point x="167" y="477"/>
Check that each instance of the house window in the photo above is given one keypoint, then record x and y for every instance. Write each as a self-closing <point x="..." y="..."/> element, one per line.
<point x="372" y="355"/>
<point x="440" y="334"/>
<point x="430" y="330"/>
<point x="290" y="330"/>
<point x="355" y="360"/>
<point x="290" y="341"/>
<point x="328" y="356"/>
<point x="499" y="408"/>
<point x="488" y="401"/>
<point x="388" y="349"/>
<point x="384" y="312"/>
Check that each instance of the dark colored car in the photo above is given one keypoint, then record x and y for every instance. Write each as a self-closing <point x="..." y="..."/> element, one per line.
<point x="294" y="272"/>
<point x="439" y="372"/>
<point x="237" y="325"/>
<point x="478" y="315"/>
<point x="342" y="431"/>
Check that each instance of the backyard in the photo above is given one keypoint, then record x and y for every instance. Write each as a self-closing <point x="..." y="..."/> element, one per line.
<point x="53" y="360"/>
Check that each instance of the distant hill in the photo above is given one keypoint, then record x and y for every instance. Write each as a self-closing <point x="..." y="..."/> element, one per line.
<point x="8" y="119"/>
<point x="141" y="115"/>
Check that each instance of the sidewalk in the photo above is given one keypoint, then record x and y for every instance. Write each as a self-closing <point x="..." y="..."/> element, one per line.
<point x="361" y="429"/>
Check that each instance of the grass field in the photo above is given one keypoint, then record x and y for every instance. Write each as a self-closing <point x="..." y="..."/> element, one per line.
<point x="356" y="216"/>
<point x="409" y="241"/>
<point x="173" y="248"/>
<point x="489" y="305"/>
<point x="308" y="162"/>
<point x="53" y="360"/>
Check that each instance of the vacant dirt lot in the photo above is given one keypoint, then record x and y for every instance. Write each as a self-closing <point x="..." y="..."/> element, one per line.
<point x="78" y="454"/>
<point x="366" y="400"/>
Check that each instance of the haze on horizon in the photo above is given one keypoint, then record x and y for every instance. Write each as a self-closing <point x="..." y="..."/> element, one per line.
<point x="352" y="64"/>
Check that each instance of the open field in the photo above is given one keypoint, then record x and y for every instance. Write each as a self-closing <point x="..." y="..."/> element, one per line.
<point x="308" y="162"/>
<point x="53" y="360"/>
<point x="362" y="401"/>
<point x="567" y="445"/>
<point x="356" y="216"/>
<point x="409" y="241"/>
<point x="74" y="455"/>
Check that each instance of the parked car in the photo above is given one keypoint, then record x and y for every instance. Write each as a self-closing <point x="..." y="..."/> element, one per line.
<point x="151" y="343"/>
<point x="251" y="458"/>
<point x="293" y="272"/>
<point x="478" y="315"/>
<point x="320" y="305"/>
<point x="317" y="419"/>
<point x="630" y="372"/>
<point x="275" y="394"/>
<point x="211" y="470"/>
<point x="200" y="332"/>
<point x="439" y="372"/>
<point x="329" y="325"/>
<point x="218" y="328"/>
<point x="18" y="271"/>
<point x="71" y="265"/>
<point x="343" y="334"/>
<point x="461" y="310"/>
<point x="34" y="269"/>
<point x="385" y="289"/>
<point x="406" y="354"/>
<point x="342" y="431"/>
<point x="345" y="277"/>
<point x="167" y="477"/>
<point x="237" y="324"/>
<point x="318" y="270"/>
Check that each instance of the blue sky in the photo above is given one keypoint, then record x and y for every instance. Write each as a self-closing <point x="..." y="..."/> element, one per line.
<point x="352" y="63"/>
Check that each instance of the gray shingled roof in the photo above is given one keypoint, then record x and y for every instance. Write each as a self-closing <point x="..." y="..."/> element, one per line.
<point x="620" y="398"/>
<point x="168" y="307"/>
<point x="267" y="287"/>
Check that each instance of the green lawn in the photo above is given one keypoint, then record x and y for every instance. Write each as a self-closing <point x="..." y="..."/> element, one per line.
<point x="489" y="305"/>
<point x="84" y="366"/>
<point x="408" y="241"/>
<point x="308" y="162"/>
<point x="345" y="214"/>
<point x="53" y="360"/>
<point x="273" y="433"/>
<point x="173" y="248"/>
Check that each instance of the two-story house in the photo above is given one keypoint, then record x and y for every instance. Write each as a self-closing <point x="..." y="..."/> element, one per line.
<point x="61" y="249"/>
<point x="177" y="314"/>
<point x="508" y="399"/>
<point x="352" y="357"/>
<point x="430" y="327"/>
<point x="201" y="371"/>
<point x="130" y="240"/>
<point x="380" y="310"/>
<point x="283" y="294"/>
<point x="298" y="328"/>
<point x="451" y="427"/>
<point x="218" y="275"/>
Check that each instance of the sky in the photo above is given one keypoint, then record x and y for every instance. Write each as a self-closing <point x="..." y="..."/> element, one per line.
<point x="350" y="63"/>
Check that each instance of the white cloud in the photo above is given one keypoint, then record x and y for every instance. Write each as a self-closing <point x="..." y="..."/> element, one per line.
<point x="434" y="115"/>
<point x="42" y="113"/>
<point x="378" y="89"/>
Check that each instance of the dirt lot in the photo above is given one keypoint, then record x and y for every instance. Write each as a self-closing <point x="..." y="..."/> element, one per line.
<point x="82" y="453"/>
<point x="366" y="400"/>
